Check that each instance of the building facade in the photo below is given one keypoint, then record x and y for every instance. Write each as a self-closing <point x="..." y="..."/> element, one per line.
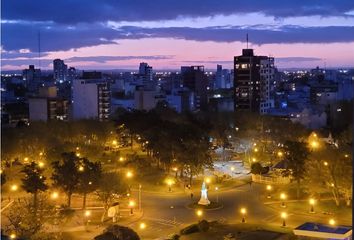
<point x="253" y="82"/>
<point x="91" y="98"/>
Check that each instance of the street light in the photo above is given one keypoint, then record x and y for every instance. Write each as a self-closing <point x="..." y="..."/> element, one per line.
<point x="131" y="205"/>
<point x="87" y="213"/>
<point x="243" y="212"/>
<point x="314" y="144"/>
<point x="312" y="203"/>
<point x="269" y="189"/>
<point x="14" y="187"/>
<point x="332" y="222"/>
<point x="41" y="164"/>
<point x="54" y="195"/>
<point x="13" y="236"/>
<point x="256" y="149"/>
<point x="283" y="197"/>
<point x="25" y="159"/>
<point x="169" y="182"/>
<point x="121" y="159"/>
<point x="283" y="216"/>
<point x="81" y="168"/>
<point x="129" y="174"/>
<point x="199" y="213"/>
<point x="325" y="163"/>
<point x="254" y="160"/>
<point x="142" y="226"/>
<point x="232" y="169"/>
<point x="207" y="180"/>
<point x="280" y="154"/>
<point x="217" y="194"/>
<point x="77" y="154"/>
<point x="175" y="169"/>
<point x="114" y="142"/>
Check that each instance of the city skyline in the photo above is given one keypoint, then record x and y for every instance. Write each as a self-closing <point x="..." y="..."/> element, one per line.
<point x="119" y="35"/>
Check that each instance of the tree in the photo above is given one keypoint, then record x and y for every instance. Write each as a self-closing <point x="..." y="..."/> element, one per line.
<point x="297" y="154"/>
<point x="66" y="174"/>
<point x="117" y="232"/>
<point x="33" y="181"/>
<point x="26" y="222"/>
<point x="257" y="168"/>
<point x="110" y="186"/>
<point x="89" y="178"/>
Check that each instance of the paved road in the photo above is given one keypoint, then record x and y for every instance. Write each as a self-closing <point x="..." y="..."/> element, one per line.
<point x="167" y="213"/>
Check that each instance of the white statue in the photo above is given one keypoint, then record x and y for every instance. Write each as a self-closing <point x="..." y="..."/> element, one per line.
<point x="204" y="196"/>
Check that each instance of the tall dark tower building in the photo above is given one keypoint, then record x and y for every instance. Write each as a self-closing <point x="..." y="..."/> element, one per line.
<point x="253" y="81"/>
<point x="60" y="70"/>
<point x="194" y="79"/>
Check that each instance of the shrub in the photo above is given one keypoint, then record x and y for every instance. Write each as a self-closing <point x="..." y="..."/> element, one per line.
<point x="190" y="229"/>
<point x="203" y="226"/>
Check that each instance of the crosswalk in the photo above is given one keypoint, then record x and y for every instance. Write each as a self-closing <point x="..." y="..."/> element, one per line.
<point x="157" y="225"/>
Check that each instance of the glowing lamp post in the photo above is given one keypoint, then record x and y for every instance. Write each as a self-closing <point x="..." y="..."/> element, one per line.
<point x="12" y="236"/>
<point x="217" y="194"/>
<point x="269" y="189"/>
<point x="131" y="206"/>
<point x="169" y="183"/>
<point x="283" y="198"/>
<point x="312" y="203"/>
<point x="14" y="188"/>
<point x="199" y="213"/>
<point x="283" y="216"/>
<point x="142" y="226"/>
<point x="243" y="212"/>
<point x="332" y="222"/>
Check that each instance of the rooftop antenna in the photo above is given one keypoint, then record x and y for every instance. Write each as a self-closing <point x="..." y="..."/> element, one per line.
<point x="247" y="39"/>
<point x="39" y="49"/>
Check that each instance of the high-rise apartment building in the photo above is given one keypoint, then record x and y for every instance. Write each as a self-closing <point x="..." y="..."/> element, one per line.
<point x="194" y="79"/>
<point x="253" y="82"/>
<point x="91" y="97"/>
<point x="60" y="70"/>
<point x="32" y="78"/>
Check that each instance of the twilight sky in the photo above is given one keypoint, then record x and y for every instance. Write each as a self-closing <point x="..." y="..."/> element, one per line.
<point x="118" y="34"/>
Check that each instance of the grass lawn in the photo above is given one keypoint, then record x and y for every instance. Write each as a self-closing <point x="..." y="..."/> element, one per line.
<point x="241" y="231"/>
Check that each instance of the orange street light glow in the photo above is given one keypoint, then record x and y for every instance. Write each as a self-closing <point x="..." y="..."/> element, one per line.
<point x="332" y="222"/>
<point x="129" y="174"/>
<point x="14" y="187"/>
<point x="199" y="213"/>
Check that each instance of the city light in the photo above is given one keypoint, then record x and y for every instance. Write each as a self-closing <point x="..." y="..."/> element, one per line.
<point x="269" y="189"/>
<point x="254" y="160"/>
<point x="243" y="211"/>
<point x="283" y="197"/>
<point x="81" y="168"/>
<point x="283" y="216"/>
<point x="207" y="180"/>
<point x="41" y="154"/>
<point x="314" y="144"/>
<point x="25" y="159"/>
<point x="129" y="174"/>
<point x="121" y="159"/>
<point x="256" y="149"/>
<point x="312" y="202"/>
<point x="131" y="205"/>
<point x="41" y="164"/>
<point x="142" y="226"/>
<point x="12" y="236"/>
<point x="87" y="213"/>
<point x="325" y="163"/>
<point x="332" y="222"/>
<point x="77" y="154"/>
<point x="280" y="154"/>
<point x="54" y="195"/>
<point x="14" y="187"/>
<point x="232" y="169"/>
<point x="114" y="142"/>
<point x="175" y="169"/>
<point x="199" y="213"/>
<point x="170" y="182"/>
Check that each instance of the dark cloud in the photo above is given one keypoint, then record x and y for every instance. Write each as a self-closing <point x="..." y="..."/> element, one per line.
<point x="104" y="59"/>
<point x="89" y="11"/>
<point x="56" y="37"/>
